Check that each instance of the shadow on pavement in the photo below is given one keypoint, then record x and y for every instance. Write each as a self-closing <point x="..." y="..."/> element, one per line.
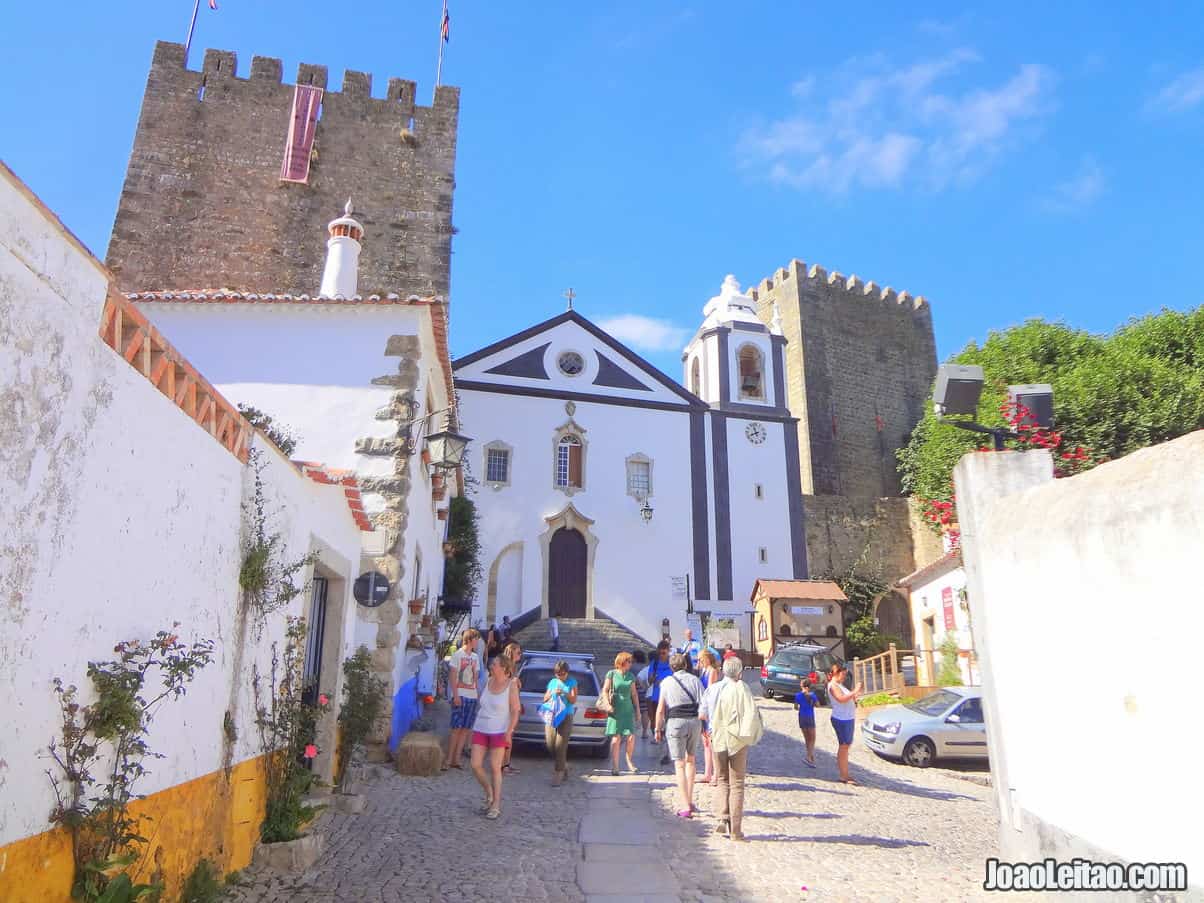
<point x="860" y="840"/>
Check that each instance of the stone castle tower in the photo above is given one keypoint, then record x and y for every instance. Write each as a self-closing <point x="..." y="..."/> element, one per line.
<point x="860" y="361"/>
<point x="203" y="197"/>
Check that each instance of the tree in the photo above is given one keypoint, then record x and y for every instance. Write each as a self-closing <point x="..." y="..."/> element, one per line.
<point x="1114" y="394"/>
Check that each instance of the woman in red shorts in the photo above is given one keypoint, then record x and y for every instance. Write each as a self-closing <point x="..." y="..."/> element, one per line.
<point x="497" y="714"/>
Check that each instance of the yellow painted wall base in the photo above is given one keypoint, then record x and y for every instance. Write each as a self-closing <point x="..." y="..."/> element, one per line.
<point x="215" y="817"/>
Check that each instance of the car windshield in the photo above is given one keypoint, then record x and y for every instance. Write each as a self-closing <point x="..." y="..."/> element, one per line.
<point x="934" y="703"/>
<point x="535" y="679"/>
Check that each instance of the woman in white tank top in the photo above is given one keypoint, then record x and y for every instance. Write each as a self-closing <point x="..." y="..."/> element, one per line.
<point x="497" y="714"/>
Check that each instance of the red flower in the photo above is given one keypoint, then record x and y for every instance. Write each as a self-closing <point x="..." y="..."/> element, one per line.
<point x="311" y="751"/>
<point x="323" y="699"/>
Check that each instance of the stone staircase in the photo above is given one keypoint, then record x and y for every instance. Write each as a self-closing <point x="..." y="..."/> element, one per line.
<point x="600" y="637"/>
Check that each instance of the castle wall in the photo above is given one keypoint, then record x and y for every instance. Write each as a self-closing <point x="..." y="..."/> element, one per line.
<point x="842" y="531"/>
<point x="859" y="363"/>
<point x="203" y="201"/>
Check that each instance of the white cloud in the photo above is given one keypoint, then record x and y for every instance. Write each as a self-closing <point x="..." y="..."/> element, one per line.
<point x="873" y="125"/>
<point x="1181" y="94"/>
<point x="645" y="333"/>
<point x="1078" y="191"/>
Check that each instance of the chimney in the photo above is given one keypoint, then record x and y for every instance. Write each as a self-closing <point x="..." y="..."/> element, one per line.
<point x="341" y="276"/>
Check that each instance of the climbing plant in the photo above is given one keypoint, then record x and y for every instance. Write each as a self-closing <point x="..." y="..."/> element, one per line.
<point x="102" y="754"/>
<point x="287" y="730"/>
<point x="268" y="580"/>
<point x="462" y="573"/>
<point x="949" y="675"/>
<point x="280" y="435"/>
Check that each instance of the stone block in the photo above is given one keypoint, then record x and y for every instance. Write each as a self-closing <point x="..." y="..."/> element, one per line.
<point x="291" y="855"/>
<point x="349" y="803"/>
<point x="420" y="754"/>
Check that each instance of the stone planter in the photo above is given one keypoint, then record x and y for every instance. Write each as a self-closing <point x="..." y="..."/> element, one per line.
<point x="290" y="855"/>
<point x="349" y="803"/>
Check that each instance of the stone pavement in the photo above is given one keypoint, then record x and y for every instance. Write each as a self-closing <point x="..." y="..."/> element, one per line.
<point x="601" y="838"/>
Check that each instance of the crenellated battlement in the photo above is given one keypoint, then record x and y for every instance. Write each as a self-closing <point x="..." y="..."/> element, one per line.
<point x="221" y="67"/>
<point x="852" y="285"/>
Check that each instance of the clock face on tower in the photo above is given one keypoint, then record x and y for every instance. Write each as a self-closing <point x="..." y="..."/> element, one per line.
<point x="755" y="432"/>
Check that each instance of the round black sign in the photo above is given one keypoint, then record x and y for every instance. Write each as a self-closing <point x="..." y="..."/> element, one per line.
<point x="371" y="589"/>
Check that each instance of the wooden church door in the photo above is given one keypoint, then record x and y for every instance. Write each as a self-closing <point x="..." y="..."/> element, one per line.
<point x="567" y="574"/>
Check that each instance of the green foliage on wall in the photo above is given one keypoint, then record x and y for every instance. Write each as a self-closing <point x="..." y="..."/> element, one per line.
<point x="1113" y="394"/>
<point x="462" y="575"/>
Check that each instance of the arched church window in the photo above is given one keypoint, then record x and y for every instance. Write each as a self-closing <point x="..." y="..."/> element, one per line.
<point x="752" y="372"/>
<point x="569" y="462"/>
<point x="762" y="630"/>
<point x="696" y="378"/>
<point x="784" y="630"/>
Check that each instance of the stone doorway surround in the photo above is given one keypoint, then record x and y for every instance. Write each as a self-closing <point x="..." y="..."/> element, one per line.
<point x="572" y="519"/>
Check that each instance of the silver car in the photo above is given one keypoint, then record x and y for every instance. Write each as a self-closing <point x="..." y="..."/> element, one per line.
<point x="589" y="724"/>
<point x="945" y="724"/>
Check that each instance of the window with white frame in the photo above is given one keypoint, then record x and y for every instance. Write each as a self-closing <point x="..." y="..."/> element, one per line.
<point x="497" y="464"/>
<point x="570" y="462"/>
<point x="639" y="476"/>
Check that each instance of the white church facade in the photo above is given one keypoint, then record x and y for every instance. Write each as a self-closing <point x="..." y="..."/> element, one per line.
<point x="602" y="480"/>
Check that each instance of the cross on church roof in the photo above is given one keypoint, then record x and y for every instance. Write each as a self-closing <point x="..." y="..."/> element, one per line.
<point x="570" y="294"/>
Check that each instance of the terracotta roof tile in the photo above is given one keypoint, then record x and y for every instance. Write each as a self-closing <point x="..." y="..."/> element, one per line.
<point x="824" y="590"/>
<point x="351" y="489"/>
<point x="948" y="561"/>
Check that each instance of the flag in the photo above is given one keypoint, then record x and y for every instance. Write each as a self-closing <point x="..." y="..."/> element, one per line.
<point x="213" y="4"/>
<point x="445" y="30"/>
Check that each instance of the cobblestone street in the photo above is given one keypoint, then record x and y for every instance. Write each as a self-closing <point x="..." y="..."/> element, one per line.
<point x="602" y="838"/>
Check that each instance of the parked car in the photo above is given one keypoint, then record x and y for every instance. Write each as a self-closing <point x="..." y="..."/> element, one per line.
<point x="589" y="724"/>
<point x="789" y="664"/>
<point x="944" y="724"/>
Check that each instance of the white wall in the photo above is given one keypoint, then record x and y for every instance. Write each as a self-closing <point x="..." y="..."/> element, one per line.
<point x="927" y="601"/>
<point x="121" y="517"/>
<point x="1087" y="618"/>
<point x="634" y="560"/>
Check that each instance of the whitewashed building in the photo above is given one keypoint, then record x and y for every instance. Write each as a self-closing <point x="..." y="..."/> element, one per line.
<point x="360" y="379"/>
<point x="602" y="479"/>
<point x="937" y="600"/>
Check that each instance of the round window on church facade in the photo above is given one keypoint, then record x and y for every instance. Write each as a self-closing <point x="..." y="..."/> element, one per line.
<point x="570" y="363"/>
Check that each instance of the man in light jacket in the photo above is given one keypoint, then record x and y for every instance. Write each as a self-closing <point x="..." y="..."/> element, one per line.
<point x="735" y="725"/>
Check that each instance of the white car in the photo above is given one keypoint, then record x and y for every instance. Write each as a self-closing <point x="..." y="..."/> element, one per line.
<point x="589" y="724"/>
<point x="947" y="724"/>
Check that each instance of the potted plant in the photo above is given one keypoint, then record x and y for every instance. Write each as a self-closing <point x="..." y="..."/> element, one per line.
<point x="287" y="733"/>
<point x="363" y="697"/>
<point x="417" y="605"/>
<point x="449" y="550"/>
<point x="441" y="513"/>
<point x="426" y="457"/>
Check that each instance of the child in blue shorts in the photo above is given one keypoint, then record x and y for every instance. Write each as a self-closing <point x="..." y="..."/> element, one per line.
<point x="805" y="702"/>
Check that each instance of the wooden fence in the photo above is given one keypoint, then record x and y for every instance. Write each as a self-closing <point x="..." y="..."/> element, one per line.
<point x="879" y="673"/>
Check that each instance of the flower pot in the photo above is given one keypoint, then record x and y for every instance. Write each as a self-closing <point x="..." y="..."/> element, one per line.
<point x="438" y="492"/>
<point x="437" y="479"/>
<point x="441" y="514"/>
<point x="449" y="550"/>
<point x="426" y="621"/>
<point x="416" y="606"/>
<point x="290" y="855"/>
<point x="426" y="457"/>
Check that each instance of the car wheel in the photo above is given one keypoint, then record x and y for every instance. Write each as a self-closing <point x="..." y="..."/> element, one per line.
<point x="919" y="752"/>
<point x="768" y="693"/>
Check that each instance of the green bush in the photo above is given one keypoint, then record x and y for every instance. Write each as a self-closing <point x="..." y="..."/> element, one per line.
<point x="950" y="674"/>
<point x="878" y="699"/>
<point x="203" y="884"/>
<point x="363" y="698"/>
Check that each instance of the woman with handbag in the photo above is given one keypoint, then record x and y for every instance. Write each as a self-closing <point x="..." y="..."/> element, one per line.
<point x="622" y="703"/>
<point x="557" y="734"/>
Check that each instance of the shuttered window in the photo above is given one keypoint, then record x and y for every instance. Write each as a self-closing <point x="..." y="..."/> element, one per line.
<point x="569" y="462"/>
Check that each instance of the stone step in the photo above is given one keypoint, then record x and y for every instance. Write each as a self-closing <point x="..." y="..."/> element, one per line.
<point x="599" y="637"/>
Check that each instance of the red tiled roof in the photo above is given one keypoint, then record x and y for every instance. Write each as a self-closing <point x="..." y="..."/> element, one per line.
<point x="319" y="473"/>
<point x="824" y="590"/>
<point x="953" y="558"/>
<point x="436" y="305"/>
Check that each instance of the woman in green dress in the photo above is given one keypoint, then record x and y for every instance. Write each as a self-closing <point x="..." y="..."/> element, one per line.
<point x="620" y="682"/>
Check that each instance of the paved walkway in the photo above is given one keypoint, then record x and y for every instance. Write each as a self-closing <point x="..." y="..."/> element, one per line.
<point x="602" y="838"/>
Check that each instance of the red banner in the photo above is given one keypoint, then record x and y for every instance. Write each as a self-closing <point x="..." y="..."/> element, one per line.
<point x="302" y="128"/>
<point x="947" y="602"/>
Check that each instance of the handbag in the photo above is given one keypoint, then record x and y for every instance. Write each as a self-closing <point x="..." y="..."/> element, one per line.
<point x="606" y="699"/>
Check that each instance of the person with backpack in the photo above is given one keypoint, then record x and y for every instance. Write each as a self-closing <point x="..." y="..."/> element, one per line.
<point x="677" y="721"/>
<point x="735" y="727"/>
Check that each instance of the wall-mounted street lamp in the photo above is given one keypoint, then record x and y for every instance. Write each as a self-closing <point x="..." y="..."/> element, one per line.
<point x="646" y="512"/>
<point x="958" y="388"/>
<point x="447" y="449"/>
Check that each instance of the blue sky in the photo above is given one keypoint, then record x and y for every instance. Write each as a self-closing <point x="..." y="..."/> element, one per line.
<point x="1033" y="160"/>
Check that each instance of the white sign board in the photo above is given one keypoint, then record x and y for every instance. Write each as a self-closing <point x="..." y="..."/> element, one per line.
<point x="806" y="609"/>
<point x="679" y="588"/>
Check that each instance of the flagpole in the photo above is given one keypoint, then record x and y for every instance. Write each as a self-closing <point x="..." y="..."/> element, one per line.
<point x="196" y="5"/>
<point x="439" y="67"/>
